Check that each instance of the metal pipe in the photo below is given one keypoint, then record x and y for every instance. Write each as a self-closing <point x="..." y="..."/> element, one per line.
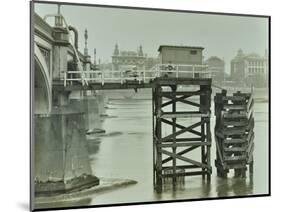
<point x="71" y="28"/>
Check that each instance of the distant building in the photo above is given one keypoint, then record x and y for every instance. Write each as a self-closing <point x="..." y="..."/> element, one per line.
<point x="124" y="59"/>
<point x="250" y="69"/>
<point x="150" y="62"/>
<point x="217" y="66"/>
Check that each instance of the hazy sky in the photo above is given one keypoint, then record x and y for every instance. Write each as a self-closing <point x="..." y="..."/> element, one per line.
<point x="220" y="35"/>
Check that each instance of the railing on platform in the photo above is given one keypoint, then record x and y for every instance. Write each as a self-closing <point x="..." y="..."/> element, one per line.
<point x="141" y="76"/>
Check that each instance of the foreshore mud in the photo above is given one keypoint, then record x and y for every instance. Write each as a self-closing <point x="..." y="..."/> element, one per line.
<point x="83" y="197"/>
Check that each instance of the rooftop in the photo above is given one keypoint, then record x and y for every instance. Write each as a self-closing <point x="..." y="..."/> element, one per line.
<point x="181" y="47"/>
<point x="128" y="54"/>
<point x="214" y="58"/>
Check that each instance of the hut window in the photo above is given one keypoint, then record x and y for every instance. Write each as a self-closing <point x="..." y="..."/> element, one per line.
<point x="193" y="52"/>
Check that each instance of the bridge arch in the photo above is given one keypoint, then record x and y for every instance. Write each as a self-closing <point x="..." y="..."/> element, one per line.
<point x="42" y="84"/>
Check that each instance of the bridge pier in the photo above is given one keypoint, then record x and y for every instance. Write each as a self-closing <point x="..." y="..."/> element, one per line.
<point x="94" y="120"/>
<point x="62" y="161"/>
<point x="94" y="106"/>
<point x="170" y="146"/>
<point x="61" y="156"/>
<point x="101" y="103"/>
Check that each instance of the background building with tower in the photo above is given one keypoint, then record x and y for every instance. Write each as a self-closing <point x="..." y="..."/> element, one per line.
<point x="250" y="69"/>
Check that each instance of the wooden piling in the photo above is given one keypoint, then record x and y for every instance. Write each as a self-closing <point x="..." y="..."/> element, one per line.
<point x="234" y="133"/>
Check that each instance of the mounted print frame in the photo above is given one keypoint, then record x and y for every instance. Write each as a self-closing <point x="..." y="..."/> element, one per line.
<point x="143" y="105"/>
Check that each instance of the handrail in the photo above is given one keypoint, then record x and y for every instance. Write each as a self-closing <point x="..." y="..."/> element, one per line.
<point x="120" y="76"/>
<point x="183" y="65"/>
<point x="140" y="71"/>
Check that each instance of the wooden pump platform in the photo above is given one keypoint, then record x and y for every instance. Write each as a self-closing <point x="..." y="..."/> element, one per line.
<point x="181" y="106"/>
<point x="234" y="133"/>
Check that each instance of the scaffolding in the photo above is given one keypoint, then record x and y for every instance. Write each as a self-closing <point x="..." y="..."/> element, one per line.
<point x="186" y="112"/>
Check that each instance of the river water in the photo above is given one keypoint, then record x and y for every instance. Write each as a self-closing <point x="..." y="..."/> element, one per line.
<point x="125" y="151"/>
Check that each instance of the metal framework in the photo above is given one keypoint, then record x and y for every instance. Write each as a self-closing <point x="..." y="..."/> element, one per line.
<point x="234" y="133"/>
<point x="188" y="118"/>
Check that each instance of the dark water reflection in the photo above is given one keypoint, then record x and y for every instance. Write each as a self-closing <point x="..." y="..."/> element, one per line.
<point x="126" y="152"/>
<point x="234" y="186"/>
